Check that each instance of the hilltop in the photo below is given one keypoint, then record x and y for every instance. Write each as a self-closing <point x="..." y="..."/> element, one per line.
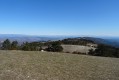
<point x="35" y="65"/>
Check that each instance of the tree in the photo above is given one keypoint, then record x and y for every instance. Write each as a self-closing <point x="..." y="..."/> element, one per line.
<point x="105" y="51"/>
<point x="116" y="54"/>
<point x="6" y="45"/>
<point x="14" y="45"/>
<point x="91" y="52"/>
<point x="26" y="47"/>
<point x="55" y="47"/>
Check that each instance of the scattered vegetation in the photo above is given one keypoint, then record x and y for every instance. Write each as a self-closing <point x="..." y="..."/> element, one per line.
<point x="75" y="52"/>
<point x="55" y="46"/>
<point x="105" y="51"/>
<point x="76" y="41"/>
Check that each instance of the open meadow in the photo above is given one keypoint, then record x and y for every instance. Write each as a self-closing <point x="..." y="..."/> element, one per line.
<point x="31" y="65"/>
<point x="76" y="48"/>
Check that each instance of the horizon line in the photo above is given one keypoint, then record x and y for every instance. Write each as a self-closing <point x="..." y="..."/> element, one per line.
<point x="63" y="35"/>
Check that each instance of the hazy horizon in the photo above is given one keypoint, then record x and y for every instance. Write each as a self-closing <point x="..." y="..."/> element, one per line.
<point x="59" y="35"/>
<point x="60" y="17"/>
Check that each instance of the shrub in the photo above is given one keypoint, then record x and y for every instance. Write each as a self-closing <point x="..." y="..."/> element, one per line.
<point x="55" y="47"/>
<point x="91" y="52"/>
<point x="75" y="52"/>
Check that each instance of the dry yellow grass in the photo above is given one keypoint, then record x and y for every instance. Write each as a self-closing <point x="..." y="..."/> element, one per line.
<point x="24" y="65"/>
<point x="76" y="48"/>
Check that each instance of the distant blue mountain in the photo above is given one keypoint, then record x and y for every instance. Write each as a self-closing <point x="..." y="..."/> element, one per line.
<point x="24" y="38"/>
<point x="104" y="40"/>
<point x="113" y="41"/>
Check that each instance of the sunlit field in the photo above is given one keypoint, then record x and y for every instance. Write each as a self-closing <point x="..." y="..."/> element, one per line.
<point x="26" y="65"/>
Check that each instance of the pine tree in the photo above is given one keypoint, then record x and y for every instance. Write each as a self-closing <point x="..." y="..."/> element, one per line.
<point x="6" y="45"/>
<point x="14" y="45"/>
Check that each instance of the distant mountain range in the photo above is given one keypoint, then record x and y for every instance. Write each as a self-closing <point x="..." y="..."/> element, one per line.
<point x="113" y="41"/>
<point x="24" y="38"/>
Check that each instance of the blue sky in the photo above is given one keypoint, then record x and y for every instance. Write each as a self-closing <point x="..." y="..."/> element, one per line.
<point x="60" y="17"/>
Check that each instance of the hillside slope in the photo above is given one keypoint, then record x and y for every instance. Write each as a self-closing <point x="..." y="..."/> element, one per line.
<point x="110" y="42"/>
<point x="23" y="65"/>
<point x="76" y="48"/>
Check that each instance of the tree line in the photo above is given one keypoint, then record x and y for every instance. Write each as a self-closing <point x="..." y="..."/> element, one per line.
<point x="7" y="45"/>
<point x="105" y="51"/>
<point x="54" y="46"/>
<point x="76" y="41"/>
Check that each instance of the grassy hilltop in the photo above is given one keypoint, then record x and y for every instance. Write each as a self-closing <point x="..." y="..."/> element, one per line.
<point x="30" y="65"/>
